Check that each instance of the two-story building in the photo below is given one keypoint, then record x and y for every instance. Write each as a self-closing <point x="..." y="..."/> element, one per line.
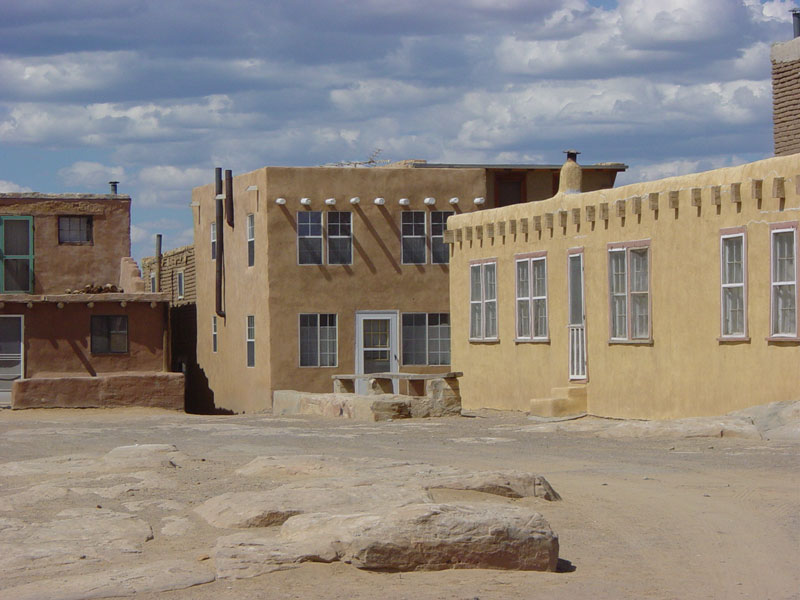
<point x="77" y="327"/>
<point x="307" y="272"/>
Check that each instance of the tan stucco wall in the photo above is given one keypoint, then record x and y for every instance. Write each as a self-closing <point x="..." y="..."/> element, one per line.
<point x="59" y="267"/>
<point x="173" y="261"/>
<point x="686" y="371"/>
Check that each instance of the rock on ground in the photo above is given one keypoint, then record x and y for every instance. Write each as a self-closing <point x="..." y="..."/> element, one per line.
<point x="510" y="484"/>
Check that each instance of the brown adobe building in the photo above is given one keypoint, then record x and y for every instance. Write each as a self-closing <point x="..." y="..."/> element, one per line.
<point x="307" y="272"/>
<point x="76" y="326"/>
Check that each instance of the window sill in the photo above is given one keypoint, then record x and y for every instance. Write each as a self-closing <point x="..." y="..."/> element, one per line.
<point x="479" y="341"/>
<point x="647" y="342"/>
<point x="777" y="339"/>
<point x="532" y="341"/>
<point x="76" y="243"/>
<point x="317" y="366"/>
<point x="734" y="340"/>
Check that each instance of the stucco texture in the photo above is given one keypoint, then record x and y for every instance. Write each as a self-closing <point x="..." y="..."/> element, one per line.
<point x="684" y="369"/>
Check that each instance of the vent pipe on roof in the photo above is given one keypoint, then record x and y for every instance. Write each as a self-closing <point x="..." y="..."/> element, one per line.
<point x="114" y="184"/>
<point x="229" y="197"/>
<point x="158" y="263"/>
<point x="796" y="21"/>
<point x="220" y="235"/>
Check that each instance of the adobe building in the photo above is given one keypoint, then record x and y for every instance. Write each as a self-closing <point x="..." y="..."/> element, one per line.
<point x="308" y="272"/>
<point x="76" y="325"/>
<point x="785" y="58"/>
<point x="661" y="299"/>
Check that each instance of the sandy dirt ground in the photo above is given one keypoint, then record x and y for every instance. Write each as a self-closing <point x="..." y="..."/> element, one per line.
<point x="653" y="517"/>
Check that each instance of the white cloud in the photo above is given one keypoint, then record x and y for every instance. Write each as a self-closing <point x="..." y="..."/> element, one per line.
<point x="140" y="234"/>
<point x="90" y="174"/>
<point x="10" y="186"/>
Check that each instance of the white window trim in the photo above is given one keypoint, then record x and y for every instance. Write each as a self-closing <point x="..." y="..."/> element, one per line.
<point x="482" y="264"/>
<point x="213" y="240"/>
<point x="153" y="287"/>
<point x="325" y="224"/>
<point x="427" y="362"/>
<point x="441" y="237"/>
<point x="319" y="341"/>
<point x="181" y="284"/>
<point x="727" y="234"/>
<point x="529" y="259"/>
<point x="424" y="236"/>
<point x="214" y="337"/>
<point x="251" y="238"/>
<point x="311" y="237"/>
<point x="628" y="248"/>
<point x="249" y="339"/>
<point x="777" y="228"/>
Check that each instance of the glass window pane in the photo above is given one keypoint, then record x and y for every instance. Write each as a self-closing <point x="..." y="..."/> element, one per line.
<point x="523" y="318"/>
<point x="733" y="311"/>
<point x="413" y="250"/>
<point x="439" y="338"/>
<point x="17" y="275"/>
<point x="440" y="252"/>
<point x="475" y="327"/>
<point x="540" y="318"/>
<point x="414" y="339"/>
<point x="576" y="290"/>
<point x="523" y="283"/>
<point x="783" y="257"/>
<point x="340" y="251"/>
<point x="16" y="237"/>
<point x="491" y="319"/>
<point x="539" y="271"/>
<point x="489" y="282"/>
<point x="475" y="282"/>
<point x="310" y="251"/>
<point x="639" y="280"/>
<point x="640" y="322"/>
<point x="309" y="344"/>
<point x="784" y="313"/>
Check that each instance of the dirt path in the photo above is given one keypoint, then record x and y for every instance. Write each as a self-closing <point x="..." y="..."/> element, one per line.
<point x="640" y="518"/>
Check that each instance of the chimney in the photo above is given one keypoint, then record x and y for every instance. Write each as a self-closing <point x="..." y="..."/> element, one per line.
<point x="571" y="178"/>
<point x="113" y="184"/>
<point x="796" y="21"/>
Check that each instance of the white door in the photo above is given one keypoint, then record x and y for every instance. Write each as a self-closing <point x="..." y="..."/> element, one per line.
<point x="376" y="345"/>
<point x="11" y="366"/>
<point x="577" y="319"/>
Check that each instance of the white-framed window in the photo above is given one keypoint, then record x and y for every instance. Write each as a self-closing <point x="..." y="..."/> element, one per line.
<point x="180" y="284"/>
<point x="251" y="240"/>
<point x="309" y="237"/>
<point x="483" y="300"/>
<point x="733" y="283"/>
<point x="784" y="276"/>
<point x="318" y="340"/>
<point x="213" y="333"/>
<point x="213" y="240"/>
<point x="440" y="252"/>
<point x="340" y="238"/>
<point x="153" y="287"/>
<point x="532" y="297"/>
<point x="629" y="290"/>
<point x="75" y="230"/>
<point x="412" y="230"/>
<point x="426" y="338"/>
<point x="251" y="340"/>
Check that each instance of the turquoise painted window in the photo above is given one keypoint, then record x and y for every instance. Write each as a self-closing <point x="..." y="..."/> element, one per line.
<point x="16" y="254"/>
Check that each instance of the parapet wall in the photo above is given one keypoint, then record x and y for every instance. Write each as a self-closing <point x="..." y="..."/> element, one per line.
<point x="786" y="97"/>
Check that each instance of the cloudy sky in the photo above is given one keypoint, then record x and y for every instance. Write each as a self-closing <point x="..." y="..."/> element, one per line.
<point x="155" y="93"/>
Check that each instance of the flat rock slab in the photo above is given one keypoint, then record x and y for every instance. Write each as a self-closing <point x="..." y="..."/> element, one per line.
<point x="414" y="537"/>
<point x="157" y="577"/>
<point x="510" y="484"/>
<point x="686" y="428"/>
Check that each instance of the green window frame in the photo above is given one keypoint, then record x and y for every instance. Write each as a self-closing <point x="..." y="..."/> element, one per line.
<point x="16" y="257"/>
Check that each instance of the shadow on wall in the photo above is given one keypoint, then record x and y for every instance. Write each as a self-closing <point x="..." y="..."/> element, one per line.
<point x="200" y="397"/>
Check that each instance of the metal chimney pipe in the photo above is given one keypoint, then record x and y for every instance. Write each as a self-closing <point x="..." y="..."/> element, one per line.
<point x="158" y="262"/>
<point x="229" y="197"/>
<point x="796" y="21"/>
<point x="220" y="236"/>
<point x="114" y="184"/>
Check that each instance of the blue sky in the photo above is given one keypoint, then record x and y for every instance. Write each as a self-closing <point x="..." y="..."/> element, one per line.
<point x="156" y="93"/>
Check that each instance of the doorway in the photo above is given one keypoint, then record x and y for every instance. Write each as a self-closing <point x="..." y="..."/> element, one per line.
<point x="376" y="345"/>
<point x="11" y="355"/>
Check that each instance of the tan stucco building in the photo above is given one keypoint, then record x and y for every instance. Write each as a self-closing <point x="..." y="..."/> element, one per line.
<point x="77" y="327"/>
<point x="336" y="270"/>
<point x="661" y="299"/>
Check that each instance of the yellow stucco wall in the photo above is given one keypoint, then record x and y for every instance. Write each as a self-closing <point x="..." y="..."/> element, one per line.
<point x="685" y="370"/>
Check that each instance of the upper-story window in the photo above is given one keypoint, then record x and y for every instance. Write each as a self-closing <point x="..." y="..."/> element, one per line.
<point x="153" y="287"/>
<point x="75" y="230"/>
<point x="440" y="252"/>
<point x="251" y="240"/>
<point x="733" y="277"/>
<point x="784" y="280"/>
<point x="16" y="254"/>
<point x="483" y="301"/>
<point x="629" y="290"/>
<point x="340" y="238"/>
<point x="309" y="237"/>
<point x="413" y="237"/>
<point x="213" y="240"/>
<point x="181" y="286"/>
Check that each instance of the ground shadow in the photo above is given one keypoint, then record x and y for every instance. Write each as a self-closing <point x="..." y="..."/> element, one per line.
<point x="565" y="566"/>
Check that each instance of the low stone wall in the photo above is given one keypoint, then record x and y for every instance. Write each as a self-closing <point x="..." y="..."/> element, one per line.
<point x="150" y="389"/>
<point x="439" y="402"/>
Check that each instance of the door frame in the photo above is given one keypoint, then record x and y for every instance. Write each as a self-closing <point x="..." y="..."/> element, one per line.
<point x="572" y="253"/>
<point x="3" y="399"/>
<point x="394" y="347"/>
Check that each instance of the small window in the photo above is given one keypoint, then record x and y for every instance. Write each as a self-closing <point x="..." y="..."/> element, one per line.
<point x="153" y="287"/>
<point x="180" y="285"/>
<point x="75" y="230"/>
<point x="251" y="240"/>
<point x="213" y="240"/>
<point x="440" y="252"/>
<point x="733" y="295"/>
<point x="426" y="338"/>
<point x="318" y="340"/>
<point x="109" y="334"/>
<point x="629" y="291"/>
<point x="309" y="238"/>
<point x="251" y="340"/>
<point x="340" y="238"/>
<point x="532" y="298"/>
<point x="483" y="301"/>
<point x="214" y="333"/>
<point x="784" y="281"/>
<point x="413" y="237"/>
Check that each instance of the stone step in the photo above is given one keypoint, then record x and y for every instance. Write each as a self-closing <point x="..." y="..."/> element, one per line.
<point x="563" y="402"/>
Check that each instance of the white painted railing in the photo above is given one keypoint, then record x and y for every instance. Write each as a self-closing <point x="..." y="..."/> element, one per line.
<point x="577" y="352"/>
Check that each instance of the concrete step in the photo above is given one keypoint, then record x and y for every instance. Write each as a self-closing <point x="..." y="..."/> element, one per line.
<point x="563" y="402"/>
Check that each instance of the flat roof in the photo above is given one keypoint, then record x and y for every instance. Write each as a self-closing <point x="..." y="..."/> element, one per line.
<point x="40" y="196"/>
<point x="611" y="166"/>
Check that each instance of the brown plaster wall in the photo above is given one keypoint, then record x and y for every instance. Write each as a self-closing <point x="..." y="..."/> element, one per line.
<point x="172" y="261"/>
<point x="61" y="266"/>
<point x="57" y="341"/>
